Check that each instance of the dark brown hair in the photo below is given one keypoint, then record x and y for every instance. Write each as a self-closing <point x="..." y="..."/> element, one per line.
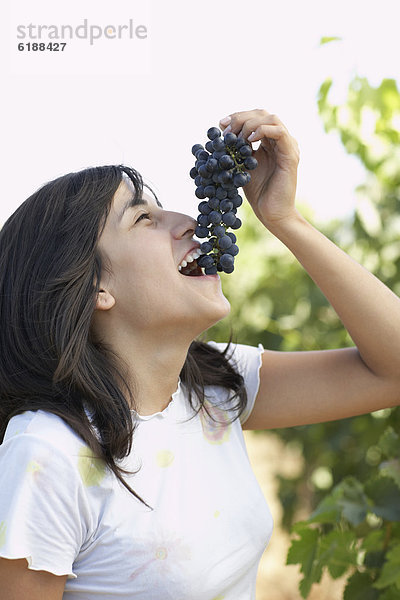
<point x="49" y="280"/>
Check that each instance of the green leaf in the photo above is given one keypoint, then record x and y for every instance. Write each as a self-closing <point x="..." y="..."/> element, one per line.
<point x="359" y="588"/>
<point x="391" y="468"/>
<point x="391" y="593"/>
<point x="385" y="496"/>
<point x="390" y="573"/>
<point x="305" y="552"/>
<point x="346" y="500"/>
<point x="374" y="559"/>
<point x="389" y="443"/>
<point x="326" y="39"/>
<point x="338" y="552"/>
<point x="374" y="540"/>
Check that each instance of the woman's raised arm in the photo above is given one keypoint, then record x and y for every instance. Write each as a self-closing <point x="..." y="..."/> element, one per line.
<point x="307" y="387"/>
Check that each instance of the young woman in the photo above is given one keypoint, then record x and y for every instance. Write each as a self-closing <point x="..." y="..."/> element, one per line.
<point x="123" y="470"/>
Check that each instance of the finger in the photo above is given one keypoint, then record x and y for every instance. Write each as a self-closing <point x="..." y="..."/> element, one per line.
<point x="234" y="121"/>
<point x="250" y="125"/>
<point x="279" y="133"/>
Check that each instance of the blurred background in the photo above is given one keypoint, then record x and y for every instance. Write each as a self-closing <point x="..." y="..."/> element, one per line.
<point x="331" y="73"/>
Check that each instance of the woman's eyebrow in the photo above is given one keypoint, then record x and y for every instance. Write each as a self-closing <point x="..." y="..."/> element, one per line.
<point x="133" y="201"/>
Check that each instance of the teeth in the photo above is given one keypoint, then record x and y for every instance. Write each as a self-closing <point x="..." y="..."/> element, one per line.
<point x="189" y="258"/>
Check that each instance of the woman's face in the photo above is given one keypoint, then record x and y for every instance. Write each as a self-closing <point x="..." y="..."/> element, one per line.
<point x="144" y="245"/>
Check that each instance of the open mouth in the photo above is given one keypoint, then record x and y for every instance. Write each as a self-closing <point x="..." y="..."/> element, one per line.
<point x="192" y="269"/>
<point x="189" y="266"/>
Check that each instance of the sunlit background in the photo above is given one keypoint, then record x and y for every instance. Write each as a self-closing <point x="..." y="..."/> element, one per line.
<point x="204" y="60"/>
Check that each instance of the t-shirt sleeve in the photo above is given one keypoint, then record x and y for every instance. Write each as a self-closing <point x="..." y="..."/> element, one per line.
<point x="247" y="361"/>
<point x="44" y="513"/>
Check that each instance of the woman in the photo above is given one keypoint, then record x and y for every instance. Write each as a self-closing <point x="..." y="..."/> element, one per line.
<point x="123" y="467"/>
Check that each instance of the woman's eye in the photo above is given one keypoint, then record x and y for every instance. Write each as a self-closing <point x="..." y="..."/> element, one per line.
<point x="143" y="216"/>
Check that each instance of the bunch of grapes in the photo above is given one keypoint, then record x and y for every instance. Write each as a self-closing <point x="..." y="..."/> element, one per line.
<point x="220" y="169"/>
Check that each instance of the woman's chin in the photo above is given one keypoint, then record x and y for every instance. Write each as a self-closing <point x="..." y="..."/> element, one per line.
<point x="222" y="311"/>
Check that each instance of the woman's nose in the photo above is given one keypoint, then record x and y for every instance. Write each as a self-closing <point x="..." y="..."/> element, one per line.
<point x="184" y="226"/>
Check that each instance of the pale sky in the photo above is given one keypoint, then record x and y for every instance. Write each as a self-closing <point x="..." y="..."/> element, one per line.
<point x="145" y="103"/>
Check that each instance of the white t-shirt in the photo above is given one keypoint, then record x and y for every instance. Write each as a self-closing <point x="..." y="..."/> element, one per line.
<point x="66" y="513"/>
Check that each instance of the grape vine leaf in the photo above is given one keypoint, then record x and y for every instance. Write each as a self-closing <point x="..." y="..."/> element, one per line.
<point x="391" y="468"/>
<point x="305" y="552"/>
<point x="338" y="552"/>
<point x="390" y="573"/>
<point x="359" y="587"/>
<point x="389" y="443"/>
<point x="347" y="500"/>
<point x="374" y="540"/>
<point x="391" y="593"/>
<point x="385" y="496"/>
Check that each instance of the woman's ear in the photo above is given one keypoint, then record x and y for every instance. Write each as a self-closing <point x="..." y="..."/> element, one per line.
<point x="105" y="300"/>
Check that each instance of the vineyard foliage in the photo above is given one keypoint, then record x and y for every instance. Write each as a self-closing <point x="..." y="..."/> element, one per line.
<point x="350" y="479"/>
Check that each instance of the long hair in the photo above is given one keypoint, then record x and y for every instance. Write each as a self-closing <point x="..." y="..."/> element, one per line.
<point x="50" y="271"/>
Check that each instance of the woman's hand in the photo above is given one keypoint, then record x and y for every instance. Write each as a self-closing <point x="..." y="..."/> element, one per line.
<point x="272" y="189"/>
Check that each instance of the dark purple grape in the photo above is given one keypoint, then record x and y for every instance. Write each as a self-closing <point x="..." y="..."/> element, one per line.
<point x="226" y="162"/>
<point x="229" y="185"/>
<point x="221" y="193"/>
<point x="198" y="181"/>
<point x="226" y="205"/>
<point x="225" y="176"/>
<point x="205" y="261"/>
<point x="213" y="203"/>
<point x="196" y="148"/>
<point x="225" y="242"/>
<point x="203" y="155"/>
<point x="234" y="250"/>
<point x="218" y="144"/>
<point x="236" y="224"/>
<point x="230" y="138"/>
<point x="209" y="147"/>
<point x="209" y="191"/>
<point x="214" y="217"/>
<point x="227" y="261"/>
<point x="193" y="173"/>
<point x="206" y="247"/>
<point x="213" y="133"/>
<point x="250" y="163"/>
<point x="201" y="232"/>
<point x="228" y="218"/>
<point x="237" y="201"/>
<point x="228" y="269"/>
<point x="219" y="231"/>
<point x="204" y="208"/>
<point x="202" y="220"/>
<point x="212" y="164"/>
<point x="232" y="236"/>
<point x="239" y="180"/>
<point x="239" y="142"/>
<point x="210" y="271"/>
<point x="246" y="150"/>
<point x="203" y="171"/>
<point x="200" y="192"/>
